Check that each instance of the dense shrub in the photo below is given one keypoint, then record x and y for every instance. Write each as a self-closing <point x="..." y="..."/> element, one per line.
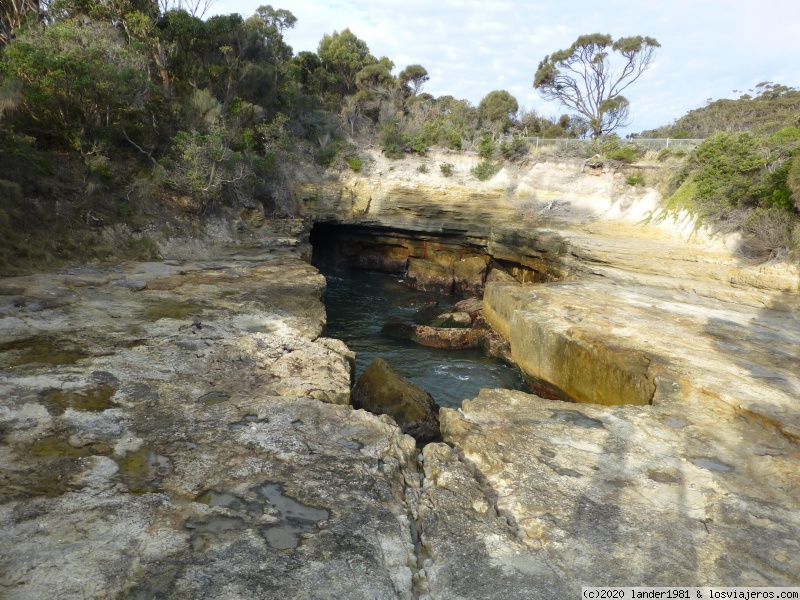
<point x="612" y="148"/>
<point x="485" y="170"/>
<point x="486" y="147"/>
<point x="738" y="181"/>
<point x="793" y="180"/>
<point x="446" y="169"/>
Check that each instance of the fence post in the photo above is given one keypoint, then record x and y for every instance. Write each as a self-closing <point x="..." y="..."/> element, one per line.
<point x="667" y="142"/>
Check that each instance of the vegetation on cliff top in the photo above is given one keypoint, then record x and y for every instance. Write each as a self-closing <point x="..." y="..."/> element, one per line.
<point x="130" y="112"/>
<point x="122" y="121"/>
<point x="745" y="176"/>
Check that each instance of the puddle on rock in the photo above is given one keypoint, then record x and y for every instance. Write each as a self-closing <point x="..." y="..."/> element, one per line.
<point x="675" y="422"/>
<point x="55" y="446"/>
<point x="711" y="464"/>
<point x="213" y="498"/>
<point x="41" y="350"/>
<point x="293" y="517"/>
<point x="94" y="399"/>
<point x="143" y="470"/>
<point x="248" y="419"/>
<point x="296" y="518"/>
<point x="50" y="463"/>
<point x="218" y="524"/>
<point x="348" y="434"/>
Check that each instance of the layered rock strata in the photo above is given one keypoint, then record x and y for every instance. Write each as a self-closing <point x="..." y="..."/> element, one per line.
<point x="684" y="354"/>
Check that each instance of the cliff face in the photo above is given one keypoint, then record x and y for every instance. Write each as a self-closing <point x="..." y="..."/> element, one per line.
<point x="563" y="220"/>
<point x="685" y="357"/>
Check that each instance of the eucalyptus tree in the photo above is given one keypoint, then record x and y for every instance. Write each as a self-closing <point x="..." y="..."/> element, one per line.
<point x="78" y="81"/>
<point x="412" y="78"/>
<point x="345" y="55"/>
<point x="583" y="78"/>
<point x="498" y="108"/>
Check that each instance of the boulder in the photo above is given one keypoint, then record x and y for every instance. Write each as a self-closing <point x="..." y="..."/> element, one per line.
<point x="383" y="391"/>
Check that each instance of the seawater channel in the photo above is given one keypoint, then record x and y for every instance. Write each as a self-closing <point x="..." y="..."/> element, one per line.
<point x="359" y="302"/>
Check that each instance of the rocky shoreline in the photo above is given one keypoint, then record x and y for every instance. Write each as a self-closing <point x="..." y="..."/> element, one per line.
<point x="183" y="429"/>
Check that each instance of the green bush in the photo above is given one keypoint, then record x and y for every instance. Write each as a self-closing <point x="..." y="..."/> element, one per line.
<point x="446" y="169"/>
<point x="671" y="153"/>
<point x="354" y="163"/>
<point x="392" y="141"/>
<point x="336" y="153"/>
<point x="635" y="179"/>
<point x="727" y="169"/>
<point x="485" y="170"/>
<point x="423" y="168"/>
<point x="627" y="154"/>
<point x="486" y="147"/>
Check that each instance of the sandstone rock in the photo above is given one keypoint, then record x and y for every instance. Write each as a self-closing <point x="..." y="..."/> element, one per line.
<point x="182" y="442"/>
<point x="469" y="274"/>
<point x="629" y="339"/>
<point x="429" y="276"/>
<point x="474" y="551"/>
<point x="381" y="390"/>
<point x="614" y="495"/>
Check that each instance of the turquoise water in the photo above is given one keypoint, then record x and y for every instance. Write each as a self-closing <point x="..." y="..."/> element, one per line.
<point x="360" y="302"/>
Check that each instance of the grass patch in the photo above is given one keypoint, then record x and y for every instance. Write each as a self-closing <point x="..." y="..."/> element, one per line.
<point x="636" y="179"/>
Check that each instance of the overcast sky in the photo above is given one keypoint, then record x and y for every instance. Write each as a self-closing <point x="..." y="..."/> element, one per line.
<point x="709" y="48"/>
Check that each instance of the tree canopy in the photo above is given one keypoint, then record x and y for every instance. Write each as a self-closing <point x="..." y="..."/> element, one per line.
<point x="498" y="107"/>
<point x="345" y="55"/>
<point x="582" y="77"/>
<point x="412" y="78"/>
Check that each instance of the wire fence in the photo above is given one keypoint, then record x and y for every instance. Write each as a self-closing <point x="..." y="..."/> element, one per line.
<point x="650" y="144"/>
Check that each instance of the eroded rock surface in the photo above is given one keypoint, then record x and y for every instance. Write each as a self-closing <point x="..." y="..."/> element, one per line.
<point x="181" y="430"/>
<point x="590" y="495"/>
<point x="601" y="342"/>
<point x="637" y="307"/>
